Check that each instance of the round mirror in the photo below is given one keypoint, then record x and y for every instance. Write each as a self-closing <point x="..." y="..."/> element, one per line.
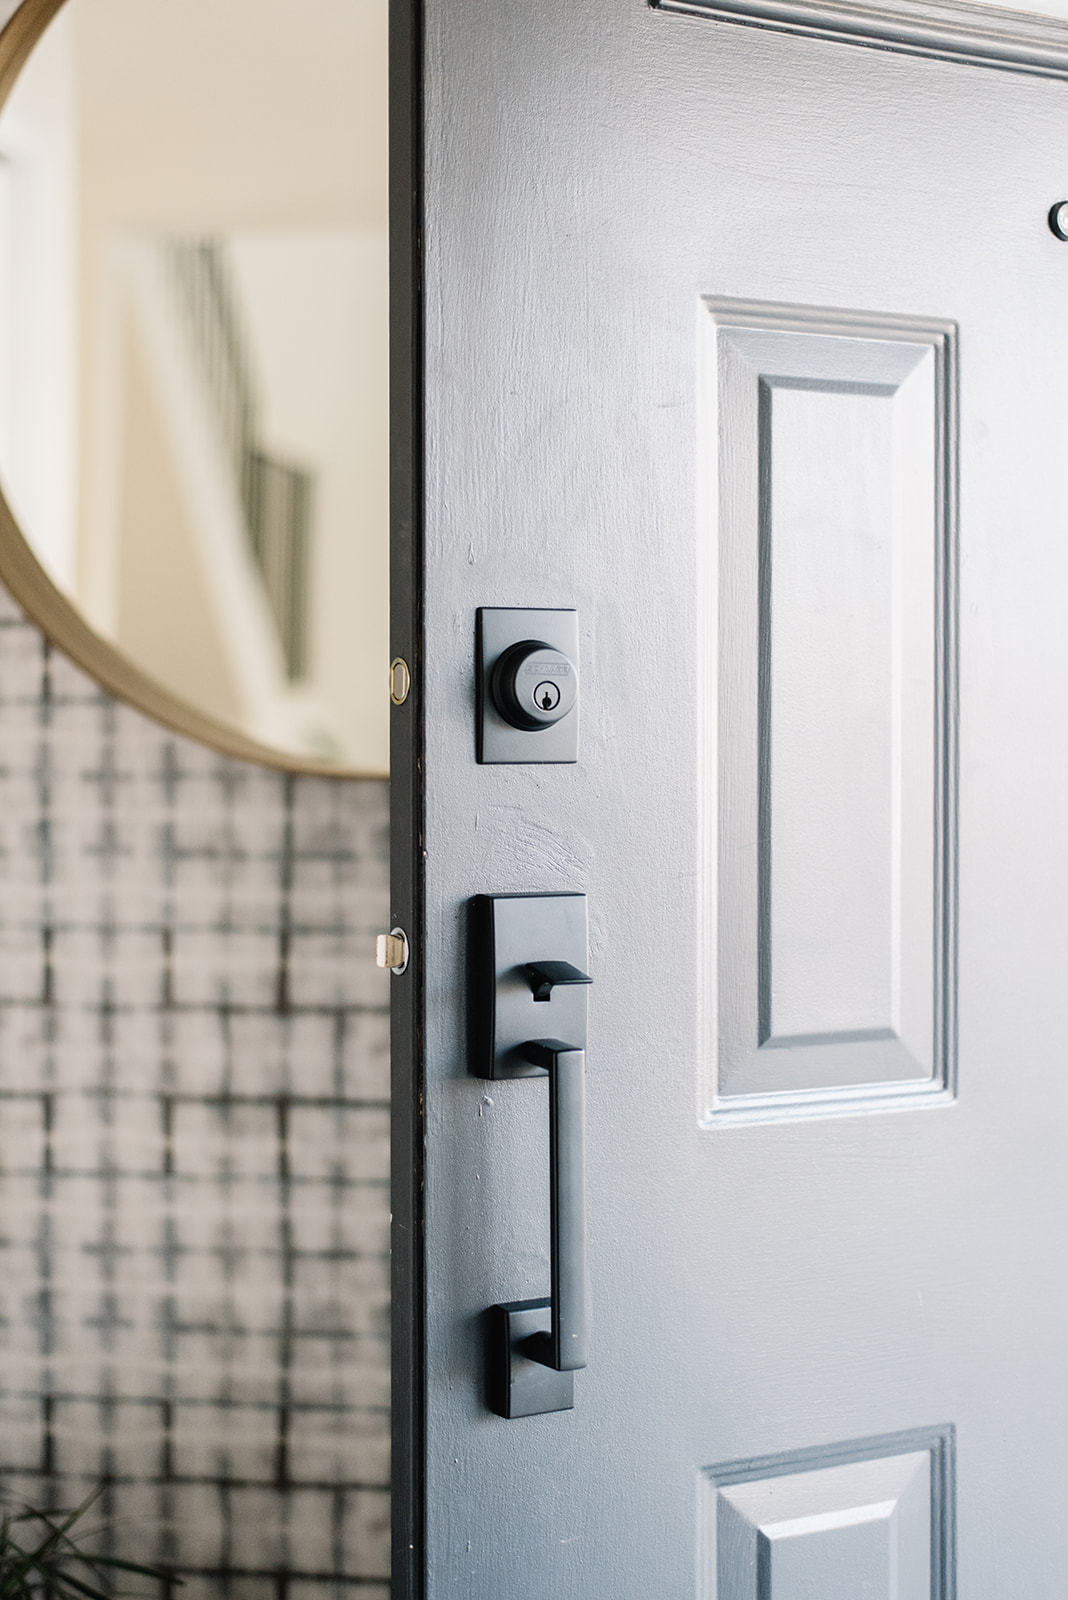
<point x="193" y="361"/>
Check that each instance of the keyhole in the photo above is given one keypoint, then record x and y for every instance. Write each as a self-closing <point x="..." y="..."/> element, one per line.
<point x="547" y="696"/>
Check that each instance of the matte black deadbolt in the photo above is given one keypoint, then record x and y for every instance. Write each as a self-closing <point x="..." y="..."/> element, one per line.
<point x="526" y="666"/>
<point x="534" y="686"/>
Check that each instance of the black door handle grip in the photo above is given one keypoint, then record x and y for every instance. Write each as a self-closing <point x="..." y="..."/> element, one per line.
<point x="564" y="1347"/>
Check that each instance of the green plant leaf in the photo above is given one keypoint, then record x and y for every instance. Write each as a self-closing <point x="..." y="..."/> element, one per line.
<point x="43" y="1571"/>
<point x="67" y="1579"/>
<point x="13" y="1581"/>
<point x="132" y="1566"/>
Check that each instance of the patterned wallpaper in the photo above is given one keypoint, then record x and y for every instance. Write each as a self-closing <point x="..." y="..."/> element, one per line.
<point x="193" y="1145"/>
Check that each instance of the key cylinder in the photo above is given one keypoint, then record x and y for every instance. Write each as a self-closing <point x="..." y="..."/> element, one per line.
<point x="534" y="686"/>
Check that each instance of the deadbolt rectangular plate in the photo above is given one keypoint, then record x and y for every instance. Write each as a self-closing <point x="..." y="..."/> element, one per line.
<point x="498" y="743"/>
<point x="507" y="931"/>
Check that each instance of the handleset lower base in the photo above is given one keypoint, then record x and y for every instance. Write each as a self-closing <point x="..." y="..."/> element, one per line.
<point x="517" y="1386"/>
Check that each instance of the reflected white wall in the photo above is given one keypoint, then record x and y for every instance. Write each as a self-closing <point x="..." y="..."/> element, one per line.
<point x="137" y="121"/>
<point x="316" y="310"/>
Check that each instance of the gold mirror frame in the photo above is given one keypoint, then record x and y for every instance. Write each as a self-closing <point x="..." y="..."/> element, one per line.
<point x="50" y="610"/>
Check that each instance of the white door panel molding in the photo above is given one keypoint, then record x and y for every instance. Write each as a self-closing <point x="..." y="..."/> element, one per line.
<point x="986" y="36"/>
<point x="828" y="547"/>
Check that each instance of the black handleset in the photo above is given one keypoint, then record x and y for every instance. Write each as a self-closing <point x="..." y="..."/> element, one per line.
<point x="528" y="999"/>
<point x="534" y="1346"/>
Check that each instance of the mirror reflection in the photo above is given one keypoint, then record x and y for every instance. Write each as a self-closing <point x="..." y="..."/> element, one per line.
<point x="193" y="353"/>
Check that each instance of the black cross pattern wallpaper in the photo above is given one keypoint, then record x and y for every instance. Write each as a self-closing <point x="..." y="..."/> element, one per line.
<point x="194" y="1212"/>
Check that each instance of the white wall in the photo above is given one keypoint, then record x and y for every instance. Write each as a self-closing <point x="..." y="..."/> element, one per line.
<point x="228" y="114"/>
<point x="39" y="352"/>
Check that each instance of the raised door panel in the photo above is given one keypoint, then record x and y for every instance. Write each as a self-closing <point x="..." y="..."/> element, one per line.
<point x="872" y="1519"/>
<point x="828" y="551"/>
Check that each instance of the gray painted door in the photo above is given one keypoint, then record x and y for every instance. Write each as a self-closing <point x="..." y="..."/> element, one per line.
<point x="753" y="349"/>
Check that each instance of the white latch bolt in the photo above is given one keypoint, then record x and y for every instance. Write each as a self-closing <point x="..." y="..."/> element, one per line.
<point x="392" y="950"/>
